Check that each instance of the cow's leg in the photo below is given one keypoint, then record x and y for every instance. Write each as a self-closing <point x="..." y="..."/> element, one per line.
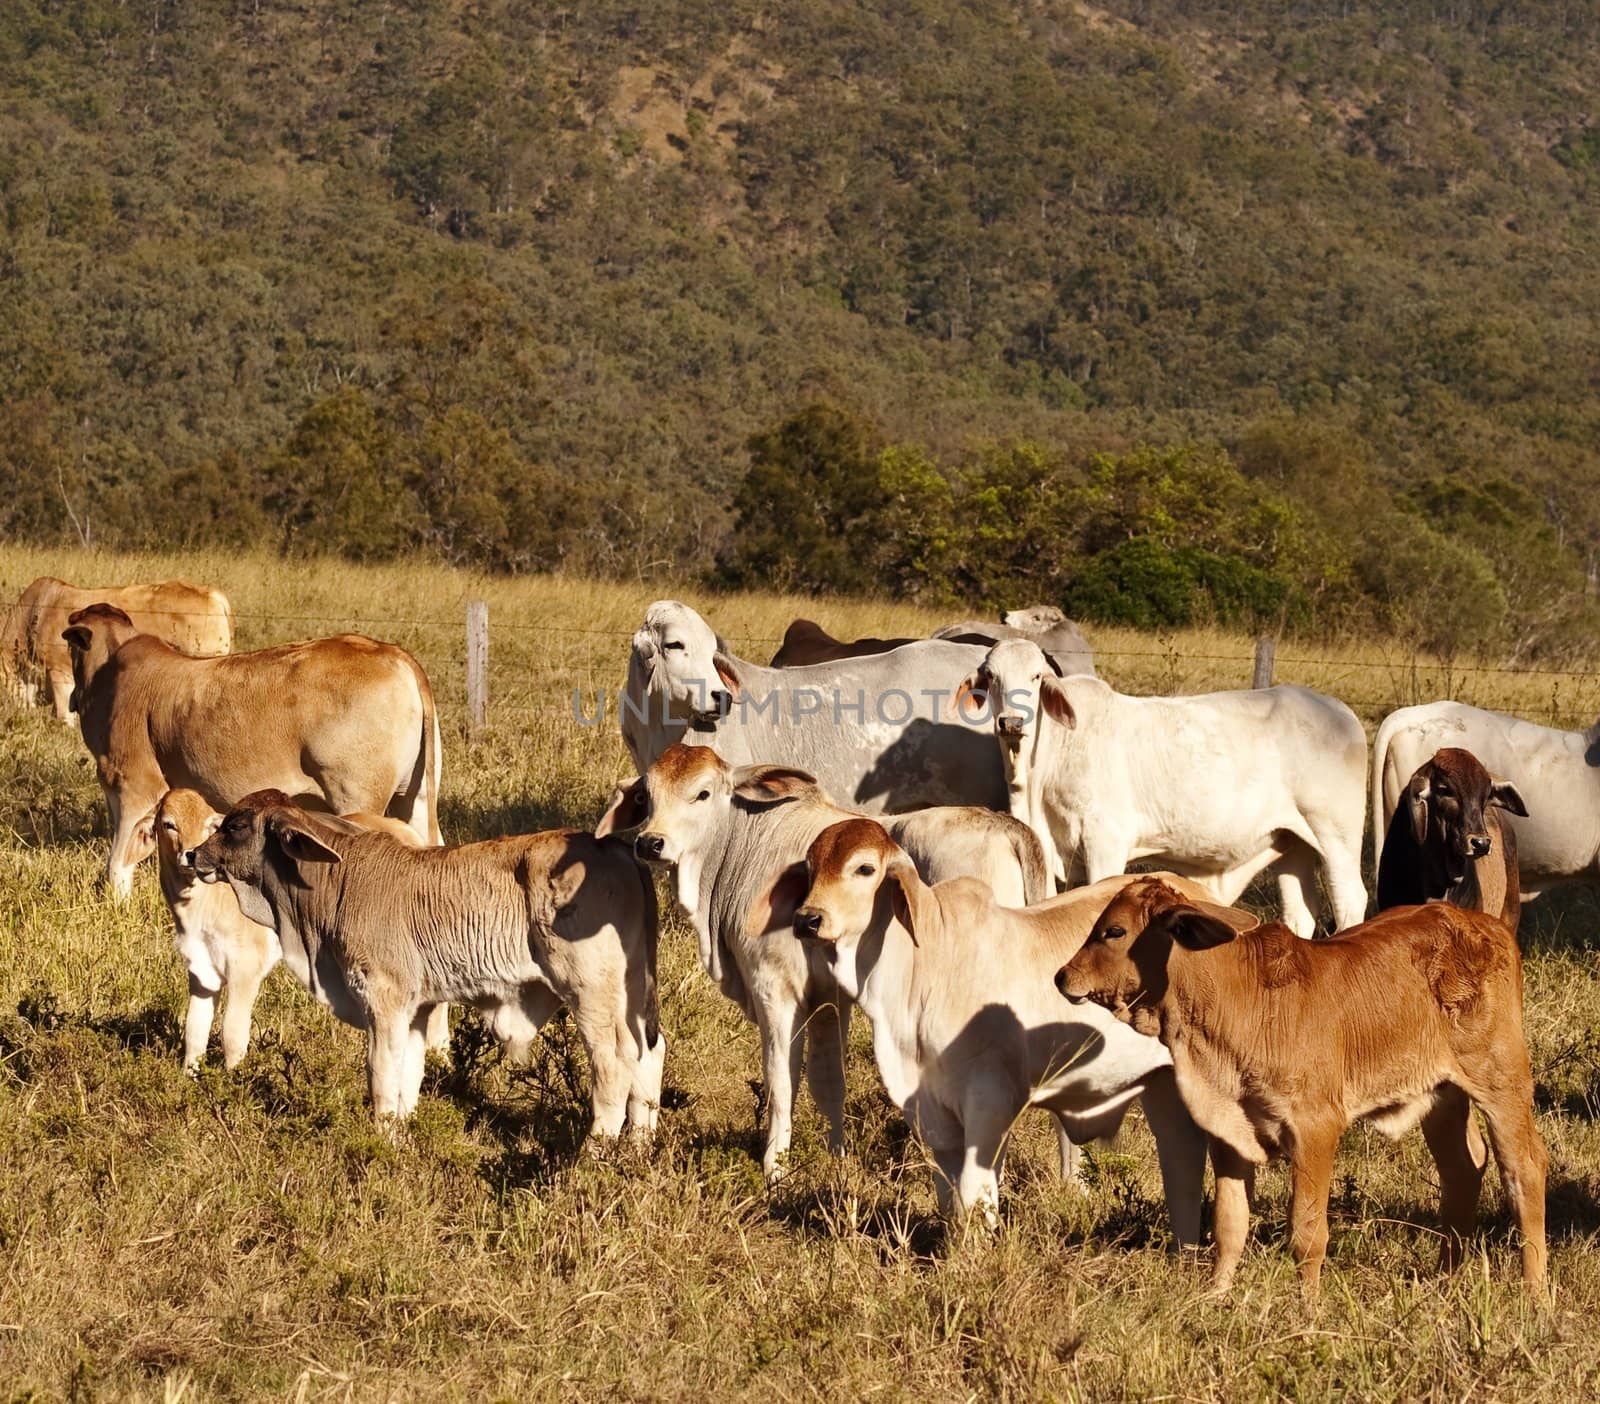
<point x="644" y="1096"/>
<point x="1447" y="1129"/>
<point x="1297" y="881"/>
<point x="197" y="1022"/>
<point x="947" y="1162"/>
<point x="416" y="1058"/>
<point x="1523" y="1162"/>
<point x="989" y="1110"/>
<point x="1181" y="1150"/>
<point x="245" y="975"/>
<point x="1232" y="1219"/>
<point x="781" y="1050"/>
<point x="827" y="1034"/>
<point x="437" y="1037"/>
<point x="1070" y="1155"/>
<point x="1341" y="871"/>
<point x="60" y="686"/>
<point x="387" y="1036"/>
<point x="1104" y="855"/>
<point x="126" y="806"/>
<point x="1312" y="1175"/>
<point x="611" y="1075"/>
<point x="942" y="1134"/>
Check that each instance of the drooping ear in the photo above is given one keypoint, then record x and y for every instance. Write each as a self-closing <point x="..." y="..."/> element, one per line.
<point x="1418" y="792"/>
<point x="910" y="897"/>
<point x="1056" y="702"/>
<point x="728" y="672"/>
<point x="974" y="686"/>
<point x="78" y="637"/>
<point x="629" y="808"/>
<point x="299" y="843"/>
<point x="1195" y="930"/>
<point x="772" y="784"/>
<point x="144" y="835"/>
<point x="1508" y="797"/>
<point x="788" y="891"/>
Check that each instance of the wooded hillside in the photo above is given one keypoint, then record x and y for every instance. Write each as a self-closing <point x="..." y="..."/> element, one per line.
<point x="518" y="284"/>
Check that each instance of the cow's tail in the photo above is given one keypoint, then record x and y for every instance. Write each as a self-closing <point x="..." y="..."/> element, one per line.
<point x="1380" y="758"/>
<point x="1036" y="883"/>
<point x="430" y="762"/>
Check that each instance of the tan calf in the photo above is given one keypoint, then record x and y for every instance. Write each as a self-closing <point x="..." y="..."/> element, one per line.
<point x="1279" y="1044"/>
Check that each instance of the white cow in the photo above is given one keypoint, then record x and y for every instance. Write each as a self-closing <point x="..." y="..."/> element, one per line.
<point x="1557" y="774"/>
<point x="736" y="839"/>
<point x="968" y="1029"/>
<point x="876" y="731"/>
<point x="1219" y="787"/>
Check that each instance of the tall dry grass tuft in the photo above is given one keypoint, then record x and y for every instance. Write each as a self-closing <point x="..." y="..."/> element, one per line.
<point x="252" y="1234"/>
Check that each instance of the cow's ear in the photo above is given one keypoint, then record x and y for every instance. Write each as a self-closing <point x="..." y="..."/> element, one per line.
<point x="144" y="834"/>
<point x="1056" y="702"/>
<point x="629" y="808"/>
<point x="1417" y="795"/>
<point x="772" y="784"/>
<point x="728" y="671"/>
<point x="1508" y="797"/>
<point x="78" y="637"/>
<point x="1054" y="666"/>
<point x="297" y="840"/>
<point x="783" y="898"/>
<point x="909" y="897"/>
<point x="1196" y="930"/>
<point x="975" y="686"/>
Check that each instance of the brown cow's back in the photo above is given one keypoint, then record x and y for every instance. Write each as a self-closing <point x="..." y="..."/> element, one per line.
<point x="196" y="619"/>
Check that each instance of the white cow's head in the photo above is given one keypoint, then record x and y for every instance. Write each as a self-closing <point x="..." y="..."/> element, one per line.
<point x="1036" y="619"/>
<point x="684" y="663"/>
<point x="1020" y="683"/>
<point x="685" y="797"/>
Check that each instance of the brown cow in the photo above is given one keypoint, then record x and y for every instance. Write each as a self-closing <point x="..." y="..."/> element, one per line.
<point x="194" y="618"/>
<point x="341" y="724"/>
<point x="806" y="642"/>
<point x="1446" y="840"/>
<point x="1279" y="1044"/>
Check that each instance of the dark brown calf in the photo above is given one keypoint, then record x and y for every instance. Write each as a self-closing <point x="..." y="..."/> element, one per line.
<point x="1448" y="840"/>
<point x="806" y="642"/>
<point x="1279" y="1044"/>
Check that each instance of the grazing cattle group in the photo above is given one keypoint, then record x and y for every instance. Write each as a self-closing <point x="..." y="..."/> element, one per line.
<point x="935" y="831"/>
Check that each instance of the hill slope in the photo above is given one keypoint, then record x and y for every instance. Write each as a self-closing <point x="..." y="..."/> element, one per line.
<point x="359" y="274"/>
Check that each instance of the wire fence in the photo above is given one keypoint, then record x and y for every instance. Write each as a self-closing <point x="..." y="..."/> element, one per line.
<point x="1411" y="673"/>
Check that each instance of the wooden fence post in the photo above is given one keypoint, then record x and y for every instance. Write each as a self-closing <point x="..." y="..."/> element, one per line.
<point x="1266" y="649"/>
<point x="477" y="665"/>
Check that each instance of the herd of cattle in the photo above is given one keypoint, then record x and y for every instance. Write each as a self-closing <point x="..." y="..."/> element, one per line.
<point x="935" y="831"/>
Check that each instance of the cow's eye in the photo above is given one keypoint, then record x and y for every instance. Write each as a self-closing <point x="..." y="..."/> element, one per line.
<point x="673" y="643"/>
<point x="170" y="826"/>
<point x="1442" y="790"/>
<point x="703" y="795"/>
<point x="865" y="870"/>
<point x="1113" y="933"/>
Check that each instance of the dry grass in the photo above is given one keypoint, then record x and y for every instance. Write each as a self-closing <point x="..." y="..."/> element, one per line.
<point x="251" y="1234"/>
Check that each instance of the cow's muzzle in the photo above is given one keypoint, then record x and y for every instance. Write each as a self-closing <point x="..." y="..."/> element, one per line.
<point x="808" y="923"/>
<point x="648" y="848"/>
<point x="1479" y="845"/>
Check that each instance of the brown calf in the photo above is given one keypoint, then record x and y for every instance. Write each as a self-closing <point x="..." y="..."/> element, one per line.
<point x="1448" y="840"/>
<point x="1279" y="1044"/>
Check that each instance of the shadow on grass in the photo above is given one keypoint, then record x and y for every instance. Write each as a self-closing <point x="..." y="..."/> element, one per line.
<point x="463" y="821"/>
<point x="148" y="1029"/>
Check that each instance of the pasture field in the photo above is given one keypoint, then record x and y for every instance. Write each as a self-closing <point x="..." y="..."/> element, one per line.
<point x="254" y="1235"/>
